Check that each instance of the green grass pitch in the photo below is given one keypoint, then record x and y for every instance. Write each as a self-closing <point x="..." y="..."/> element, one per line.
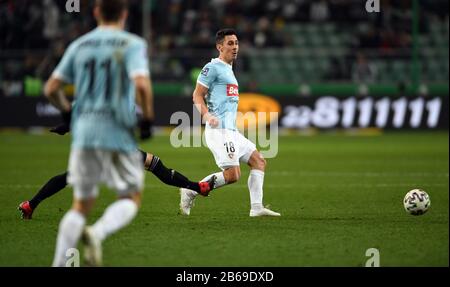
<point x="338" y="195"/>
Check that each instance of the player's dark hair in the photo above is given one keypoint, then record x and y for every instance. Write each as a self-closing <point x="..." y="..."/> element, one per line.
<point x="112" y="9"/>
<point x="220" y="35"/>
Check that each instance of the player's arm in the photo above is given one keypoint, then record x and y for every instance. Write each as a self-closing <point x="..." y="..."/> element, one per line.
<point x="144" y="98"/>
<point x="136" y="62"/>
<point x="64" y="73"/>
<point x="54" y="93"/>
<point x="198" y="98"/>
<point x="200" y="92"/>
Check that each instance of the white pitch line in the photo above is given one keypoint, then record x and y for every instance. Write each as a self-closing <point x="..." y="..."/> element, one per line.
<point x="331" y="185"/>
<point x="269" y="185"/>
<point x="19" y="185"/>
<point x="356" y="174"/>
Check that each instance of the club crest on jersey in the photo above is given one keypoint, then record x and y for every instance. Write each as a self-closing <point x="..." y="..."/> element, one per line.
<point x="231" y="155"/>
<point x="232" y="90"/>
<point x="205" y="72"/>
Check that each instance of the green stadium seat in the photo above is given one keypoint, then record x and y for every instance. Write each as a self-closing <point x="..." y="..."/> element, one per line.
<point x="256" y="64"/>
<point x="264" y="78"/>
<point x="346" y="38"/>
<point x="323" y="65"/>
<point x="424" y="41"/>
<point x="438" y="40"/>
<point x="385" y="76"/>
<point x="427" y="52"/>
<point x="293" y="28"/>
<point x="299" y="41"/>
<point x="292" y="64"/>
<point x="273" y="64"/>
<point x="308" y="70"/>
<point x="315" y="44"/>
<point x="329" y="28"/>
<point x="433" y="71"/>
<point x="335" y="41"/>
<point x="436" y="27"/>
<point x="312" y="29"/>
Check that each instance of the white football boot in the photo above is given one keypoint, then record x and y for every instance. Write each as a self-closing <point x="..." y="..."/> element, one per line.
<point x="186" y="200"/>
<point x="263" y="212"/>
<point x="92" y="248"/>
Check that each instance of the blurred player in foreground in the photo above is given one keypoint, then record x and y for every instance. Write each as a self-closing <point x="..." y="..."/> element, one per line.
<point x="218" y="86"/>
<point x="108" y="67"/>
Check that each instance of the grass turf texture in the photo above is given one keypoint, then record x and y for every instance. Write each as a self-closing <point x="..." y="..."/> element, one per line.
<point x="338" y="195"/>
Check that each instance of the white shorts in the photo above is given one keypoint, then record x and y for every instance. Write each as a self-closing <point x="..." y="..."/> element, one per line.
<point x="123" y="172"/>
<point x="228" y="147"/>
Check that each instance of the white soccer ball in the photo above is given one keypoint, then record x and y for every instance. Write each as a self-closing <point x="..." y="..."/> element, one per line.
<point x="416" y="202"/>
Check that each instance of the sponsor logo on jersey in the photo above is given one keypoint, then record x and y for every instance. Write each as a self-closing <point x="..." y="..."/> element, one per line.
<point x="205" y="72"/>
<point x="232" y="90"/>
<point x="231" y="155"/>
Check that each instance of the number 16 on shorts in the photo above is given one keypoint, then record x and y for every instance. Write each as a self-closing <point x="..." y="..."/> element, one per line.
<point x="230" y="149"/>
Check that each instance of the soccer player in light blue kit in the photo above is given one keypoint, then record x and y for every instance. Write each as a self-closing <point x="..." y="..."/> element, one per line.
<point x="108" y="66"/>
<point x="218" y="86"/>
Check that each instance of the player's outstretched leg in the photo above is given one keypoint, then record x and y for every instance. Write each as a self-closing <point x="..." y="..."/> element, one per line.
<point x="152" y="163"/>
<point x="255" y="185"/>
<point x="172" y="177"/>
<point x="54" y="185"/>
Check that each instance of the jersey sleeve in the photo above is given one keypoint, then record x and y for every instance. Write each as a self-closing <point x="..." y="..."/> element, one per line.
<point x="137" y="60"/>
<point x="207" y="76"/>
<point x="65" y="70"/>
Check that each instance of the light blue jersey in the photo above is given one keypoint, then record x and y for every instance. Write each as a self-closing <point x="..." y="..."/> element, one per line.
<point x="223" y="92"/>
<point x="101" y="65"/>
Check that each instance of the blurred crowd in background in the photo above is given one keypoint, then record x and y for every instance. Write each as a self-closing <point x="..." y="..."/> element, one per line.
<point x="292" y="41"/>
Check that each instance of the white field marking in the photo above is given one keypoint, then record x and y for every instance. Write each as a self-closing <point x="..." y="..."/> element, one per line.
<point x="269" y="185"/>
<point x="332" y="185"/>
<point x="5" y="185"/>
<point x="357" y="174"/>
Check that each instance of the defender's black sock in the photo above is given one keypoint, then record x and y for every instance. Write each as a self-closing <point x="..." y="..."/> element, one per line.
<point x="54" y="185"/>
<point x="170" y="176"/>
